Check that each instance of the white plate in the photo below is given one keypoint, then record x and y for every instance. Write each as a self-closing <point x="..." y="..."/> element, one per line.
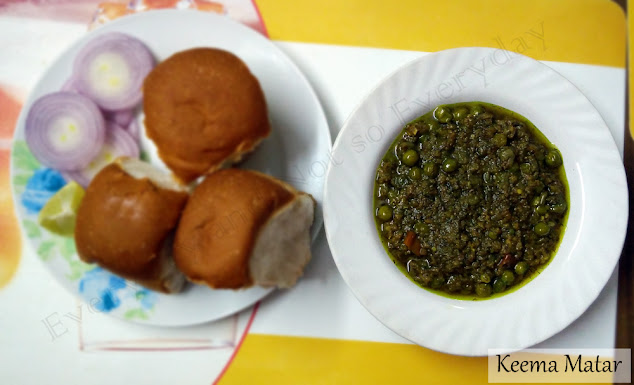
<point x="596" y="226"/>
<point x="299" y="140"/>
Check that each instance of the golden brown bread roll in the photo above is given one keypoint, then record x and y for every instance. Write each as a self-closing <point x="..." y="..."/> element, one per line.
<point x="126" y="220"/>
<point x="242" y="228"/>
<point x="204" y="110"/>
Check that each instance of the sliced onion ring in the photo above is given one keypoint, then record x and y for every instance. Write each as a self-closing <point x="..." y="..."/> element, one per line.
<point x="64" y="130"/>
<point x="118" y="143"/>
<point x="110" y="70"/>
<point x="122" y="118"/>
<point x="134" y="129"/>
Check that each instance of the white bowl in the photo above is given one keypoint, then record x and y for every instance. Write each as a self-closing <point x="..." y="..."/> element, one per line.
<point x="596" y="226"/>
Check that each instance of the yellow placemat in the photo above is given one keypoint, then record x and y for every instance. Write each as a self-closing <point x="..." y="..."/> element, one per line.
<point x="576" y="31"/>
<point x="298" y="360"/>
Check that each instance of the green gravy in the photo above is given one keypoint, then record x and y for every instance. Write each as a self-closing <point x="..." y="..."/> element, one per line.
<point x="471" y="200"/>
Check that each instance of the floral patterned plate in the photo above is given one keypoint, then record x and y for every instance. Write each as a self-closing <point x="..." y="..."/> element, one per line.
<point x="300" y="140"/>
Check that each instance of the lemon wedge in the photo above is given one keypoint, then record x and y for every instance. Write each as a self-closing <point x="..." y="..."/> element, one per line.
<point x="59" y="213"/>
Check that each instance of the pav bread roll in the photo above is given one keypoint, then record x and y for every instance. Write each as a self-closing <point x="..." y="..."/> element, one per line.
<point x="204" y="110"/>
<point x="126" y="220"/>
<point x="242" y="228"/>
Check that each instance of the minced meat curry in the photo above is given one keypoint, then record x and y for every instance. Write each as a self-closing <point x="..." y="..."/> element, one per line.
<point x="471" y="200"/>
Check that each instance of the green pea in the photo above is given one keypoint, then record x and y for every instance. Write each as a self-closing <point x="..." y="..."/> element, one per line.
<point x="553" y="158"/>
<point x="477" y="110"/>
<point x="430" y="169"/>
<point x="506" y="154"/>
<point x="384" y="213"/>
<point x="442" y="114"/>
<point x="521" y="268"/>
<point x="415" y="173"/>
<point x="493" y="234"/>
<point x="421" y="228"/>
<point x="541" y="209"/>
<point x="499" y="285"/>
<point x="541" y="229"/>
<point x="449" y="165"/>
<point x="410" y="157"/>
<point x="508" y="277"/>
<point x="483" y="290"/>
<point x="559" y="208"/>
<point x="460" y="113"/>
<point x="499" y="140"/>
<point x="526" y="168"/>
<point x="484" y="277"/>
<point x="473" y="199"/>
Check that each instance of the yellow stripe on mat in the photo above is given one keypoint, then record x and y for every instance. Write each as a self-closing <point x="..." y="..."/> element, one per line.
<point x="576" y="31"/>
<point x="282" y="360"/>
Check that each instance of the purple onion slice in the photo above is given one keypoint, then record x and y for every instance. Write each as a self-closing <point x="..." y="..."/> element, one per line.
<point x="64" y="130"/>
<point x="118" y="143"/>
<point x="134" y="129"/>
<point x="110" y="70"/>
<point x="122" y="118"/>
